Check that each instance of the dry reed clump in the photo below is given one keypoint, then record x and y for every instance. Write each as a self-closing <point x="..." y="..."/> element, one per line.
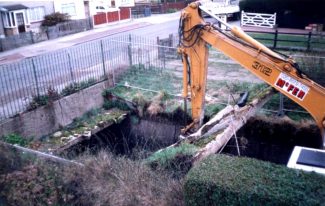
<point x="156" y="106"/>
<point x="110" y="180"/>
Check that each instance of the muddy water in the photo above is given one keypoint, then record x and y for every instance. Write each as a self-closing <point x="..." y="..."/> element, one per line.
<point x="130" y="136"/>
<point x="273" y="140"/>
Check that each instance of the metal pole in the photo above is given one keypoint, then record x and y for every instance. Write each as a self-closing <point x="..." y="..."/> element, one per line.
<point x="130" y="50"/>
<point x="70" y="67"/>
<point x="103" y="57"/>
<point x="35" y="76"/>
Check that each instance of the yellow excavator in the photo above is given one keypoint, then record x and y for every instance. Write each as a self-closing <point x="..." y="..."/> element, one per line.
<point x="277" y="70"/>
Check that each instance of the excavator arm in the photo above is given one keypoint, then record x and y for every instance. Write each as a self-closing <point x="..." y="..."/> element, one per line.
<point x="279" y="71"/>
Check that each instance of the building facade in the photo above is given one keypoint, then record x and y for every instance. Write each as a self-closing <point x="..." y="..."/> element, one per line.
<point x="23" y="16"/>
<point x="18" y="17"/>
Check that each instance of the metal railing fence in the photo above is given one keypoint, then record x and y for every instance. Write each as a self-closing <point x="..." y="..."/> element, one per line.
<point x="37" y="80"/>
<point x="129" y="60"/>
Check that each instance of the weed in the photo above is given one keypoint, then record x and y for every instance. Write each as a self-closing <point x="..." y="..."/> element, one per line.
<point x="37" y="101"/>
<point x="75" y="87"/>
<point x="15" y="139"/>
<point x="109" y="104"/>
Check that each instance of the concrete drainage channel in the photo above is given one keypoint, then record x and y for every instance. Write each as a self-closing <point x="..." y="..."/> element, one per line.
<point x="261" y="138"/>
<point x="129" y="137"/>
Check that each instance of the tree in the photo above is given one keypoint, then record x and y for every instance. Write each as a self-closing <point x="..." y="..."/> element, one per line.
<point x="55" y="18"/>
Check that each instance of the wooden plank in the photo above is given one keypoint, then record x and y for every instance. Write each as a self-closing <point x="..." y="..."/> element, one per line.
<point x="235" y="120"/>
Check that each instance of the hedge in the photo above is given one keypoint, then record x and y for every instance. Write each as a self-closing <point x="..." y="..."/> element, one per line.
<point x="225" y="180"/>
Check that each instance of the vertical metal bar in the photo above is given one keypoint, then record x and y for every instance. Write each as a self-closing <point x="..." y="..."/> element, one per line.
<point x="35" y="76"/>
<point x="130" y="50"/>
<point x="103" y="58"/>
<point x="2" y="93"/>
<point x="70" y="67"/>
<point x="8" y="87"/>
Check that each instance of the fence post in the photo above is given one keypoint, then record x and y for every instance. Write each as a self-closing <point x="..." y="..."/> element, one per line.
<point x="309" y="40"/>
<point x="241" y="18"/>
<point x="275" y="39"/>
<point x="281" y="112"/>
<point x="70" y="67"/>
<point x="32" y="37"/>
<point x="103" y="57"/>
<point x="1" y="47"/>
<point x="130" y="50"/>
<point x="35" y="76"/>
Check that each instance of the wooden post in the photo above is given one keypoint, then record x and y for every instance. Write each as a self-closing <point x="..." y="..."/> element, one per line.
<point x="275" y="39"/>
<point x="309" y="41"/>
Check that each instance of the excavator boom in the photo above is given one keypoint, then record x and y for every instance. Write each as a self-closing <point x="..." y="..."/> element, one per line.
<point x="279" y="71"/>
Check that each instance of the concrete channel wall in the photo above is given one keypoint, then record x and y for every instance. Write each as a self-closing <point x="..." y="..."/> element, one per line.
<point x="48" y="119"/>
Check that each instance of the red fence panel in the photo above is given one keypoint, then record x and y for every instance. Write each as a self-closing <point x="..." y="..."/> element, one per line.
<point x="100" y="18"/>
<point x="124" y="13"/>
<point x="112" y="16"/>
<point x="176" y="5"/>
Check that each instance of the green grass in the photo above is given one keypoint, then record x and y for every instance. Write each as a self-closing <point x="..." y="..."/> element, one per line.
<point x="152" y="80"/>
<point x="163" y="157"/>
<point x="15" y="139"/>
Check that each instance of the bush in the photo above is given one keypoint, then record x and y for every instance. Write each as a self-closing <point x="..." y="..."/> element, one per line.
<point x="225" y="180"/>
<point x="14" y="139"/>
<point x="55" y="18"/>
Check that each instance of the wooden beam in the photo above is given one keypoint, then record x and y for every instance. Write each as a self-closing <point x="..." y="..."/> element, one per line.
<point x="230" y="124"/>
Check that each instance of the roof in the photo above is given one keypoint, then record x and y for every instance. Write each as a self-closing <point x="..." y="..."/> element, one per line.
<point x="14" y="7"/>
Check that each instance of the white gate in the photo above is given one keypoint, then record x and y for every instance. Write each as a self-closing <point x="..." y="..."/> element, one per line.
<point x="258" y="20"/>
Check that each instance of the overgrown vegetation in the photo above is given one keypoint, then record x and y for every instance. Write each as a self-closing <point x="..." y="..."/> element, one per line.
<point x="103" y="180"/>
<point x="224" y="180"/>
<point x="53" y="95"/>
<point x="15" y="139"/>
<point x="77" y="86"/>
<point x="54" y="18"/>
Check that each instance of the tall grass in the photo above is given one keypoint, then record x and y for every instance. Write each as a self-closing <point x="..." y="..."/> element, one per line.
<point x="103" y="180"/>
